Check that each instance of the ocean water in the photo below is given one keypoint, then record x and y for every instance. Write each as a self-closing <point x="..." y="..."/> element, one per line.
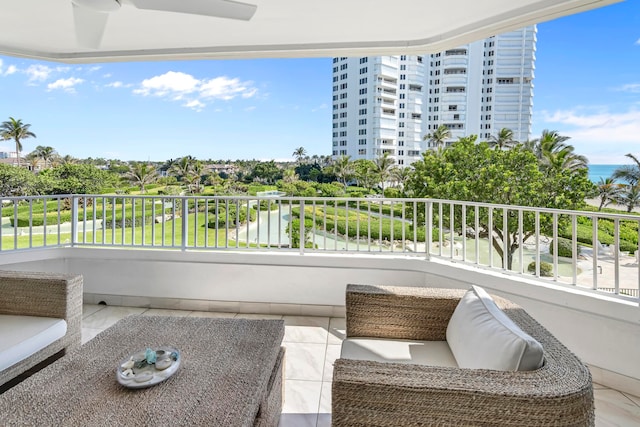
<point x="601" y="171"/>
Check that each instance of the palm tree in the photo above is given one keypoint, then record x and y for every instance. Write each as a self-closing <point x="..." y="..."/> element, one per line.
<point x="299" y="153"/>
<point x="400" y="175"/>
<point x="33" y="160"/>
<point x="438" y="139"/>
<point x="343" y="168"/>
<point x="629" y="196"/>
<point x="195" y="176"/>
<point x="608" y="191"/>
<point x="46" y="154"/>
<point x="503" y="140"/>
<point x="142" y="174"/>
<point x="382" y="169"/>
<point x="68" y="160"/>
<point x="629" y="173"/>
<point x="556" y="155"/>
<point x="289" y="176"/>
<point x="16" y="130"/>
<point x="181" y="168"/>
<point x="364" y="173"/>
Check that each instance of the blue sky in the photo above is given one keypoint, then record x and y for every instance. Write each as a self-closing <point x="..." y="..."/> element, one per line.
<point x="587" y="86"/>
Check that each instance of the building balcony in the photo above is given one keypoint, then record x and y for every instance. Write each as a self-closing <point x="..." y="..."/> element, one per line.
<point x="459" y="61"/>
<point x="190" y="254"/>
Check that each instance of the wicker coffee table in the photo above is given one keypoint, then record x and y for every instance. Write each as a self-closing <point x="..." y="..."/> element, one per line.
<point x="231" y="375"/>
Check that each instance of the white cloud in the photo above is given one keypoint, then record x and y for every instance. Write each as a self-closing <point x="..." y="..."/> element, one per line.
<point x="11" y="69"/>
<point x="68" y="85"/>
<point x="194" y="105"/>
<point x="602" y="136"/>
<point x="638" y="42"/>
<point x="251" y="108"/>
<point x="225" y="89"/>
<point x="319" y="107"/>
<point x="179" y="86"/>
<point x="175" y="84"/>
<point x="631" y="87"/>
<point x="115" y="84"/>
<point x="38" y="73"/>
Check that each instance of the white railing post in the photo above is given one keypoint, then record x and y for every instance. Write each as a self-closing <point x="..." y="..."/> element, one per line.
<point x="303" y="233"/>
<point x="429" y="229"/>
<point x="185" y="215"/>
<point x="74" y="220"/>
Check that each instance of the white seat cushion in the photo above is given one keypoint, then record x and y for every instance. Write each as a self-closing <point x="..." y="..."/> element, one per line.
<point x="22" y="336"/>
<point x="481" y="336"/>
<point x="432" y="353"/>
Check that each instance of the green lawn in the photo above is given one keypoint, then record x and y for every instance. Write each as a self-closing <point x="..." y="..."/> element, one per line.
<point x="147" y="235"/>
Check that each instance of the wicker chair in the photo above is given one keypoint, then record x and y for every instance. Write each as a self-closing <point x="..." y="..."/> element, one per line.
<point x="47" y="295"/>
<point x="366" y="393"/>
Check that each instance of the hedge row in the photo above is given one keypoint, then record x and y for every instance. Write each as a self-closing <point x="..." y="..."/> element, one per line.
<point x="335" y="220"/>
<point x="235" y="218"/>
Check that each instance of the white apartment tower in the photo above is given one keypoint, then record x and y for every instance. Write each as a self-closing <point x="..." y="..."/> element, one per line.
<point x="387" y="104"/>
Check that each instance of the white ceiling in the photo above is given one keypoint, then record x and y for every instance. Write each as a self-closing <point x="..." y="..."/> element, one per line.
<point x="44" y="29"/>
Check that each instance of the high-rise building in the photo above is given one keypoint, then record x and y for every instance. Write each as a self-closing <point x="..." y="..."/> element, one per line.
<point x="387" y="104"/>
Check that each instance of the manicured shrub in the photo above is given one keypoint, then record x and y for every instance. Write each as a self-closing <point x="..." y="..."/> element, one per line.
<point x="564" y="248"/>
<point x="392" y="193"/>
<point x="267" y="205"/>
<point x="546" y="269"/>
<point x="220" y="214"/>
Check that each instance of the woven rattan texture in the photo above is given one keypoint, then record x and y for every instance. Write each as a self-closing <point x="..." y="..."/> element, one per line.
<point x="227" y="365"/>
<point x="387" y="394"/>
<point x="47" y="295"/>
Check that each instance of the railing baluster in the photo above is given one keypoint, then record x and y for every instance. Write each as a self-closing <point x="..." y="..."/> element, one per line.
<point x="537" y="234"/>
<point x="428" y="215"/>
<point x="476" y="233"/>
<point x="463" y="231"/>
<point x="505" y="239"/>
<point x="596" y="247"/>
<point x="574" y="248"/>
<point x="74" y="220"/>
<point x="388" y="214"/>
<point x="440" y="231"/>
<point x="616" y="254"/>
<point x="521" y="240"/>
<point x="555" y="246"/>
<point x="302" y="235"/>
<point x="490" y="232"/>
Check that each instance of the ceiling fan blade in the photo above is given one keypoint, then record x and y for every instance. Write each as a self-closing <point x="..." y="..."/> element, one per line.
<point x="218" y="8"/>
<point x="90" y="26"/>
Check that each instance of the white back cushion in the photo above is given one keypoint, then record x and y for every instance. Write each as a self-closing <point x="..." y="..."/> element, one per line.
<point x="481" y="336"/>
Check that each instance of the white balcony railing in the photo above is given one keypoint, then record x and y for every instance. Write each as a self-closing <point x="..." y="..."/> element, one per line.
<point x="513" y="239"/>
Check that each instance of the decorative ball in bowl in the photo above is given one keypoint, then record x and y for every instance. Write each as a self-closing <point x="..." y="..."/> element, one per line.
<point x="148" y="367"/>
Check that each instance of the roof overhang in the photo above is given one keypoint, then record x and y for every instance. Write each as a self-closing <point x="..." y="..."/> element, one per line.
<point x="44" y="29"/>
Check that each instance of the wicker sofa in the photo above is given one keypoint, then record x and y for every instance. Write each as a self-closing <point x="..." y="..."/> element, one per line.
<point x="373" y="393"/>
<point x="38" y="295"/>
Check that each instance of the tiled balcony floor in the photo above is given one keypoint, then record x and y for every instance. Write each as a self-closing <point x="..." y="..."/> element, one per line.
<point x="313" y="343"/>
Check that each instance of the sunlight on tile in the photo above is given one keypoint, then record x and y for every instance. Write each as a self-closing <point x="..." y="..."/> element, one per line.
<point x="304" y="361"/>
<point x="301" y="329"/>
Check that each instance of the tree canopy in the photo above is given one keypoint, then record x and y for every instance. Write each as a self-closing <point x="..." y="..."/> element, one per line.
<point x="468" y="171"/>
<point x="76" y="179"/>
